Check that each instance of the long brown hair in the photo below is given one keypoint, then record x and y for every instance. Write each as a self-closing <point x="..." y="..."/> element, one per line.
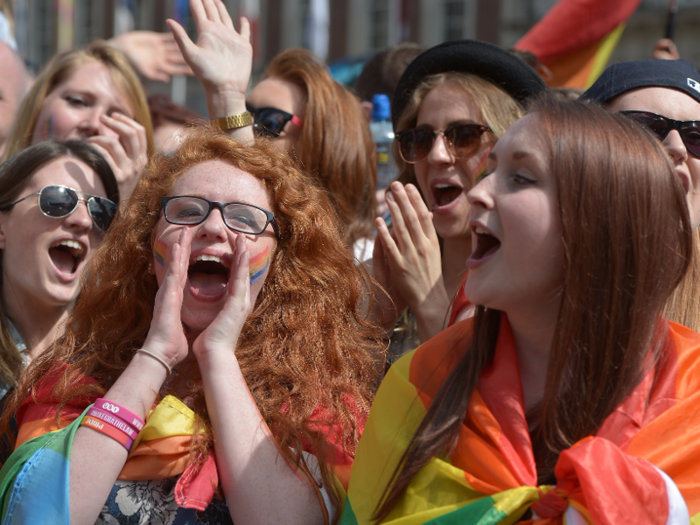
<point x="58" y="70"/>
<point x="305" y="345"/>
<point x="15" y="175"/>
<point x="626" y="240"/>
<point x="336" y="146"/>
<point x="498" y="109"/>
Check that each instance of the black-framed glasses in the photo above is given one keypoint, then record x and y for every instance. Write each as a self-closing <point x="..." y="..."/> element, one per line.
<point x="661" y="126"/>
<point x="189" y="210"/>
<point x="269" y="122"/>
<point x="463" y="140"/>
<point x="58" y="201"/>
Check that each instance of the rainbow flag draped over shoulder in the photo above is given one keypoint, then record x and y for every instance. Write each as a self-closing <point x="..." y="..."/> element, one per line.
<point x="34" y="481"/>
<point x="575" y="39"/>
<point x="642" y="466"/>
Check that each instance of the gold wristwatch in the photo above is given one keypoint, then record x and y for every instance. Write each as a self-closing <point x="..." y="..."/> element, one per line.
<point x="233" y="122"/>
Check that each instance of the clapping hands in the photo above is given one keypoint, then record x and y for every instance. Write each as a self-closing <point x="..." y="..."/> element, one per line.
<point x="407" y="261"/>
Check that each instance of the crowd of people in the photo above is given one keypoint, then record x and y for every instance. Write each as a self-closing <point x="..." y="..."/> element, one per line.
<point x="512" y="341"/>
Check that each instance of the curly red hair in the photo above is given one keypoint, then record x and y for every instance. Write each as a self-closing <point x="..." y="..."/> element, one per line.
<point x="305" y="345"/>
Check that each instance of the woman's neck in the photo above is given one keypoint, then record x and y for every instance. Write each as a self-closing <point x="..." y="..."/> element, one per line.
<point x="533" y="332"/>
<point x="185" y="379"/>
<point x="454" y="262"/>
<point x="39" y="327"/>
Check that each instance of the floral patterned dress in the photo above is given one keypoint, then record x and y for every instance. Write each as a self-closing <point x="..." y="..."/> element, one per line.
<point x="153" y="502"/>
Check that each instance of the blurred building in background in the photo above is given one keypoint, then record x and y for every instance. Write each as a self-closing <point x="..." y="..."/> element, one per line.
<point x="342" y="32"/>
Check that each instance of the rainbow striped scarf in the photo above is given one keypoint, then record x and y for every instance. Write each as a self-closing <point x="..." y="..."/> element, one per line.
<point x="642" y="466"/>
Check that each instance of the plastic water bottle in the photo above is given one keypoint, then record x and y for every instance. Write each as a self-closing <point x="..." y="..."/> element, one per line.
<point x="383" y="135"/>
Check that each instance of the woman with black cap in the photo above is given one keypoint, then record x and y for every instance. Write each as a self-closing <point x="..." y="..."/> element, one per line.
<point x="451" y="105"/>
<point x="664" y="96"/>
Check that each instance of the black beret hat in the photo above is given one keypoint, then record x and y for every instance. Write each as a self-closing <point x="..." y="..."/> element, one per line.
<point x="625" y="76"/>
<point x="486" y="60"/>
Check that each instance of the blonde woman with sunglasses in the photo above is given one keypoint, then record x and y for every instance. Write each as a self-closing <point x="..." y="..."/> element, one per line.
<point x="451" y="105"/>
<point x="57" y="199"/>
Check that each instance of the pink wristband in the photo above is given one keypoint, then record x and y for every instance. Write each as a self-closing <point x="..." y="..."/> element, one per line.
<point x="121" y="412"/>
<point x="107" y="430"/>
<point x="113" y="420"/>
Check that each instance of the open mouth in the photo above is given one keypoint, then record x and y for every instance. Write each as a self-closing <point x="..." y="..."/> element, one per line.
<point x="486" y="244"/>
<point x="444" y="194"/>
<point x="67" y="256"/>
<point x="208" y="276"/>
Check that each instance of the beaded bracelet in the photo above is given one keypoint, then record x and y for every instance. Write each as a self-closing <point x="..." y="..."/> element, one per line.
<point x="114" y="421"/>
<point x="122" y="413"/>
<point x="108" y="430"/>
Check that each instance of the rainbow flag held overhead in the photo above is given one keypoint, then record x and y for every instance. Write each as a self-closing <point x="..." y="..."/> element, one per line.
<point x="575" y="39"/>
<point x="642" y="466"/>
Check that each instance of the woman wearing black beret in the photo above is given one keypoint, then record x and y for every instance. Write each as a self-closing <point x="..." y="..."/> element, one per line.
<point x="452" y="104"/>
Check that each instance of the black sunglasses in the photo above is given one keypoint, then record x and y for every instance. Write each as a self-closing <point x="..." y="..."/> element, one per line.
<point x="57" y="201"/>
<point x="463" y="140"/>
<point x="661" y="126"/>
<point x="269" y="122"/>
<point x="189" y="210"/>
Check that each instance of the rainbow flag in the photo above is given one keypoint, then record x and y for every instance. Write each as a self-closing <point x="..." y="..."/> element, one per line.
<point x="640" y="467"/>
<point x="575" y="39"/>
<point x="34" y="480"/>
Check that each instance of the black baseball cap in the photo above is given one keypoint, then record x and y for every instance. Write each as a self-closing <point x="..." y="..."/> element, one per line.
<point x="625" y="76"/>
<point x="488" y="61"/>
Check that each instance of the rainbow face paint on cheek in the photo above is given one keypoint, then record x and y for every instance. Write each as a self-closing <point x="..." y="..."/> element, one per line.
<point x="258" y="265"/>
<point x="160" y="252"/>
<point x="481" y="168"/>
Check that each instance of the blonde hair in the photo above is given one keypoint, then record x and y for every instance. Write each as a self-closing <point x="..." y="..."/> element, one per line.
<point x="498" y="109"/>
<point x="58" y="70"/>
<point x="684" y="305"/>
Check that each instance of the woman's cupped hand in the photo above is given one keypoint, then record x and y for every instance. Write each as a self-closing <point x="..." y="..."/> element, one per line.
<point x="126" y="151"/>
<point x="222" y="334"/>
<point x="168" y="337"/>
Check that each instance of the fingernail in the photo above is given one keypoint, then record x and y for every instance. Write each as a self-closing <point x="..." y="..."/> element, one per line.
<point x="390" y="197"/>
